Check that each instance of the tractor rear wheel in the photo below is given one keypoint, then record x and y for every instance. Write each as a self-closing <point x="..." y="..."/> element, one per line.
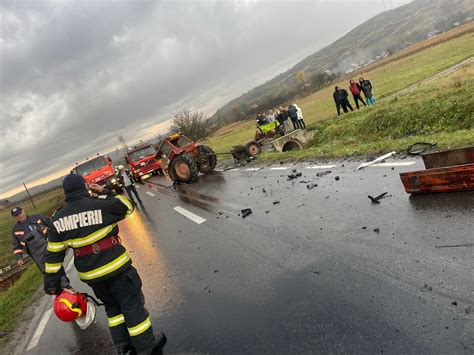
<point x="207" y="159"/>
<point x="183" y="168"/>
<point x="253" y="149"/>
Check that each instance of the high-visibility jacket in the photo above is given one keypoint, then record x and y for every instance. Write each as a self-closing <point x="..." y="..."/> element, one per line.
<point x="85" y="221"/>
<point x="31" y="237"/>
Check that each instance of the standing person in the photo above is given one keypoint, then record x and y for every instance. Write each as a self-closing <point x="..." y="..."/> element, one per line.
<point x="282" y="119"/>
<point x="29" y="234"/>
<point x="300" y="117"/>
<point x="368" y="90"/>
<point x="129" y="186"/>
<point x="355" y="90"/>
<point x="293" y="114"/>
<point x="337" y="100"/>
<point x="89" y="226"/>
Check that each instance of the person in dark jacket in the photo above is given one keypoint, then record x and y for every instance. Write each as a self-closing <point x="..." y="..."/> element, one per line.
<point x="355" y="90"/>
<point x="129" y="186"/>
<point x="89" y="226"/>
<point x="293" y="114"/>
<point x="340" y="97"/>
<point x="368" y="90"/>
<point x="282" y="118"/>
<point x="29" y="235"/>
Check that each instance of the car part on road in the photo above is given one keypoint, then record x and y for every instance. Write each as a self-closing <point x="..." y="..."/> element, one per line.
<point x="420" y="147"/>
<point x="311" y="186"/>
<point x="446" y="171"/>
<point x="375" y="161"/>
<point x="276" y="202"/>
<point x="376" y="199"/>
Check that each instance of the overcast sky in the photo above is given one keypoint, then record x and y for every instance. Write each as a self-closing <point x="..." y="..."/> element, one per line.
<point x="74" y="74"/>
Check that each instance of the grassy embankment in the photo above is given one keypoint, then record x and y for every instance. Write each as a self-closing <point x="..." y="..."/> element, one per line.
<point x="16" y="298"/>
<point x="430" y="112"/>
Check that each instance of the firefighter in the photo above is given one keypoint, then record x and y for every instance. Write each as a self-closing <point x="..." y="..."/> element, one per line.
<point x="89" y="225"/>
<point x="29" y="234"/>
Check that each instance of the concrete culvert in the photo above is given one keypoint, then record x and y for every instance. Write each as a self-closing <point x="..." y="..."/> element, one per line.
<point x="291" y="145"/>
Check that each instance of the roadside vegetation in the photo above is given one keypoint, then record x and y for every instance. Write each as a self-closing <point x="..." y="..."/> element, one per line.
<point x="14" y="300"/>
<point x="390" y="77"/>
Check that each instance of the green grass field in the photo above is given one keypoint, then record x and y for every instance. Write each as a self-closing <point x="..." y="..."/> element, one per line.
<point x="395" y="75"/>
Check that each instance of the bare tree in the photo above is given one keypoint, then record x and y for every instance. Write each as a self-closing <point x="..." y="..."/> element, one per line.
<point x="192" y="124"/>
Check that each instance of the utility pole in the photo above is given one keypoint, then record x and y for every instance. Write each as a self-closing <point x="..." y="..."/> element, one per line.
<point x="31" y="198"/>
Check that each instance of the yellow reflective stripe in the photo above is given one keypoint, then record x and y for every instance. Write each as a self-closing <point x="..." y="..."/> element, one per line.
<point x="71" y="307"/>
<point x="114" y="321"/>
<point x="91" y="238"/>
<point x="140" y="328"/>
<point x="55" y="247"/>
<point x="106" y="269"/>
<point x="52" y="268"/>
<point x="127" y="203"/>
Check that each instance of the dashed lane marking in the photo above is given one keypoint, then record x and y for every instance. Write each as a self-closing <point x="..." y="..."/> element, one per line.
<point x="188" y="214"/>
<point x="150" y="193"/>
<point x="395" y="163"/>
<point x="39" y="331"/>
<point x="320" y="166"/>
<point x="234" y="169"/>
<point x="252" y="169"/>
<point x="279" y="168"/>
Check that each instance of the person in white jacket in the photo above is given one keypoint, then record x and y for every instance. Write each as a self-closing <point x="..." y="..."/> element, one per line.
<point x="300" y="116"/>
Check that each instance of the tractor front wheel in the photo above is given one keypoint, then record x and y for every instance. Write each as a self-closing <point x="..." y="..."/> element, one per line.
<point x="183" y="168"/>
<point x="207" y="159"/>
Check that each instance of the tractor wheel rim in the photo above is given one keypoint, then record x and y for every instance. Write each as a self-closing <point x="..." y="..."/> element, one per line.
<point x="183" y="170"/>
<point x="253" y="149"/>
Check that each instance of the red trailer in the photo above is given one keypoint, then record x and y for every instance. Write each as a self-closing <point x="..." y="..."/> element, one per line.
<point x="447" y="171"/>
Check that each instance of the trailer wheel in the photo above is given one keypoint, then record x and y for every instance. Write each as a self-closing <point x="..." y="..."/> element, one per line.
<point x="253" y="149"/>
<point x="207" y="159"/>
<point x="183" y="168"/>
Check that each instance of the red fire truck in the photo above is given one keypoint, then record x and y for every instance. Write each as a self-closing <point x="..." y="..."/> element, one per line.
<point x="99" y="170"/>
<point x="142" y="161"/>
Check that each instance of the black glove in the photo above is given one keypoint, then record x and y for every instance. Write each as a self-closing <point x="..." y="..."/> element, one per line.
<point x="52" y="287"/>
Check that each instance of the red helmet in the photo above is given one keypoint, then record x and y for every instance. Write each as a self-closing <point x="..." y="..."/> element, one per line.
<point x="69" y="305"/>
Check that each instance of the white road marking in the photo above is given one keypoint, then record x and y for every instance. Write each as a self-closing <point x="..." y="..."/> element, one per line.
<point x="150" y="193"/>
<point x="252" y="169"/>
<point x="395" y="163"/>
<point x="279" y="168"/>
<point x="219" y="170"/>
<point x="320" y="166"/>
<point x="39" y="331"/>
<point x="138" y="186"/>
<point x="235" y="169"/>
<point x="193" y="217"/>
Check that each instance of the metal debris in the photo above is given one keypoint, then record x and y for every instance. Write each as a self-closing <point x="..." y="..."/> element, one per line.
<point x="246" y="212"/>
<point x="311" y="186"/>
<point x="276" y="202"/>
<point x="376" y="199"/>
<point x="324" y="173"/>
<point x="337" y="178"/>
<point x="426" y="288"/>
<point x="455" y="245"/>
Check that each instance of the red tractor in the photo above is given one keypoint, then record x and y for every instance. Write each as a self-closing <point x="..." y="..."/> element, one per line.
<point x="142" y="161"/>
<point x="99" y="170"/>
<point x="185" y="158"/>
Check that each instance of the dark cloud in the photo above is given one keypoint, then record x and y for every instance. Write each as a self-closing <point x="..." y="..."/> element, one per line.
<point x="75" y="74"/>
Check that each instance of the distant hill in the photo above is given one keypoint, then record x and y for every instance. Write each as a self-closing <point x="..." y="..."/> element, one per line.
<point x="380" y="36"/>
<point x="33" y="190"/>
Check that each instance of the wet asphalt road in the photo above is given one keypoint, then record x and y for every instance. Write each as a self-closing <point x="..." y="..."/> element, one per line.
<point x="322" y="271"/>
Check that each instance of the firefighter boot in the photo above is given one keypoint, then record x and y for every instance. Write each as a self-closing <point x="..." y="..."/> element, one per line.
<point x="160" y="341"/>
<point x="127" y="349"/>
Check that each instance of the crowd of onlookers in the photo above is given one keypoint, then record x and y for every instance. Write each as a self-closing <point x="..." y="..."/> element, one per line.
<point x="283" y="116"/>
<point x="341" y="96"/>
